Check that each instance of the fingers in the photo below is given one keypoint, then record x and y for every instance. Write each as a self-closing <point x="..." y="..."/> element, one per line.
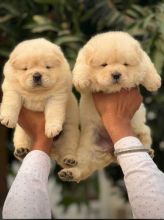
<point x="97" y="97"/>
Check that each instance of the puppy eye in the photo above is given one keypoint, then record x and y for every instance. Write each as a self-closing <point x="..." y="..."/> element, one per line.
<point x="48" y="67"/>
<point x="25" y="68"/>
<point x="126" y="64"/>
<point x="104" y="64"/>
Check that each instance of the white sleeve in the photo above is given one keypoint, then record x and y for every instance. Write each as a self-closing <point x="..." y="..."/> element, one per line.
<point x="28" y="196"/>
<point x="143" y="180"/>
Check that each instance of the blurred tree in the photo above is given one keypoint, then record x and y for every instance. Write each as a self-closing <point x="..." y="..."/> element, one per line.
<point x="3" y="165"/>
<point x="70" y="24"/>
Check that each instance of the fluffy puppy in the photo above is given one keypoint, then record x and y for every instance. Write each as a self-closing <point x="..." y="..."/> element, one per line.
<point x="107" y="63"/>
<point x="38" y="77"/>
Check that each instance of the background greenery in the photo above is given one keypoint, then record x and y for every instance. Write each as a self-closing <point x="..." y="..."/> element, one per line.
<point x="70" y="23"/>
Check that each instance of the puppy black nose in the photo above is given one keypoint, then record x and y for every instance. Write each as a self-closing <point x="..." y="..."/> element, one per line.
<point x="37" y="77"/>
<point x="116" y="75"/>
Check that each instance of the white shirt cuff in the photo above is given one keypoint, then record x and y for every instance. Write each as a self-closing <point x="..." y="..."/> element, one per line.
<point x="126" y="142"/>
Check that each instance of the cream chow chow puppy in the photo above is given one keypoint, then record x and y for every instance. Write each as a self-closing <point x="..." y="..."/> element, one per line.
<point x="38" y="77"/>
<point x="108" y="62"/>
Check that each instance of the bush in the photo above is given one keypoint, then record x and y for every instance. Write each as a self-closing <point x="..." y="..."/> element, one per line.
<point x="70" y="24"/>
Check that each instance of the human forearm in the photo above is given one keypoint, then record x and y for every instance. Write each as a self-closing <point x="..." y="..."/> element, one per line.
<point x="143" y="180"/>
<point x="28" y="195"/>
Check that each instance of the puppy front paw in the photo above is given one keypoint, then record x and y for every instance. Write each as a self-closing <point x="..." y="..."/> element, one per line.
<point x="155" y="84"/>
<point x="53" y="130"/>
<point x="8" y="121"/>
<point x="81" y="84"/>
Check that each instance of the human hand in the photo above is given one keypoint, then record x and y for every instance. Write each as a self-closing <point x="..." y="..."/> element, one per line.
<point x="117" y="110"/>
<point x="34" y="125"/>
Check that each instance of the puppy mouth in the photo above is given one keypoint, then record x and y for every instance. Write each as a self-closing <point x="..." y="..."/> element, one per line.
<point x="115" y="81"/>
<point x="37" y="84"/>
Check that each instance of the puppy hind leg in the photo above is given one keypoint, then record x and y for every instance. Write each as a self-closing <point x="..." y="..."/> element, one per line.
<point x="76" y="174"/>
<point x="22" y="143"/>
<point x="64" y="151"/>
<point x="145" y="137"/>
<point x="70" y="146"/>
<point x="142" y="131"/>
<point x="70" y="174"/>
<point x="86" y="166"/>
<point x="89" y="159"/>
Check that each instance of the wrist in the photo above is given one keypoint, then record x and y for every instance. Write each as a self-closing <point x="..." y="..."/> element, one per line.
<point x="43" y="144"/>
<point x="117" y="127"/>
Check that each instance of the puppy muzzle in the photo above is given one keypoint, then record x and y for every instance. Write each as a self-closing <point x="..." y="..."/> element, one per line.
<point x="116" y="76"/>
<point x="37" y="79"/>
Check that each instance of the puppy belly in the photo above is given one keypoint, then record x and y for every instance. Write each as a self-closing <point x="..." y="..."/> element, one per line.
<point x="103" y="140"/>
<point x="34" y="105"/>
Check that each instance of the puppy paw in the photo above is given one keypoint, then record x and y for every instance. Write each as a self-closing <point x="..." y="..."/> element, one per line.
<point x="155" y="85"/>
<point x="20" y="153"/>
<point x="52" y="131"/>
<point x="70" y="161"/>
<point x="70" y="174"/>
<point x="81" y="84"/>
<point x="66" y="175"/>
<point x="8" y="121"/>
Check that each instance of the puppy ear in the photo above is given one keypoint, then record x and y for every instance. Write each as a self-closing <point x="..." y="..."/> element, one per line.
<point x="81" y="71"/>
<point x="88" y="53"/>
<point x="58" y="55"/>
<point x="151" y="80"/>
<point x="13" y="59"/>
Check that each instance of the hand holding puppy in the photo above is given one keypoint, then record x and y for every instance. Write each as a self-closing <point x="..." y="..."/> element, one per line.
<point x="34" y="125"/>
<point x="117" y="110"/>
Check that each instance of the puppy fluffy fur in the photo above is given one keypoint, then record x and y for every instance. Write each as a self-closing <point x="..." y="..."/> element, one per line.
<point x="38" y="77"/>
<point x="99" y="61"/>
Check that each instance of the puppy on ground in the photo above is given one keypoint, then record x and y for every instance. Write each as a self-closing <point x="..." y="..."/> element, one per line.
<point x="38" y="77"/>
<point x="107" y="63"/>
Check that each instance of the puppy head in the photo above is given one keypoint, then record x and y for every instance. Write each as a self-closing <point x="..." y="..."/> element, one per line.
<point x="109" y="62"/>
<point x="36" y="64"/>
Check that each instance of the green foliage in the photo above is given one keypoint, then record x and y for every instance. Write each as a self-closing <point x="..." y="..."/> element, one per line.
<point x="70" y="24"/>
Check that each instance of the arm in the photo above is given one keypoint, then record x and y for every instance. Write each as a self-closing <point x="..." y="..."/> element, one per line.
<point x="28" y="195"/>
<point x="144" y="181"/>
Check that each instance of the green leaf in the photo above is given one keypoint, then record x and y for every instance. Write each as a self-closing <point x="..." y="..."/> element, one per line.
<point x="147" y="20"/>
<point x="67" y="39"/>
<point x="41" y="19"/>
<point x="10" y="8"/>
<point x="139" y="10"/>
<point x="4" y="52"/>
<point x="132" y="14"/>
<point x="43" y="28"/>
<point x="6" y="18"/>
<point x="44" y="1"/>
<point x="158" y="58"/>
